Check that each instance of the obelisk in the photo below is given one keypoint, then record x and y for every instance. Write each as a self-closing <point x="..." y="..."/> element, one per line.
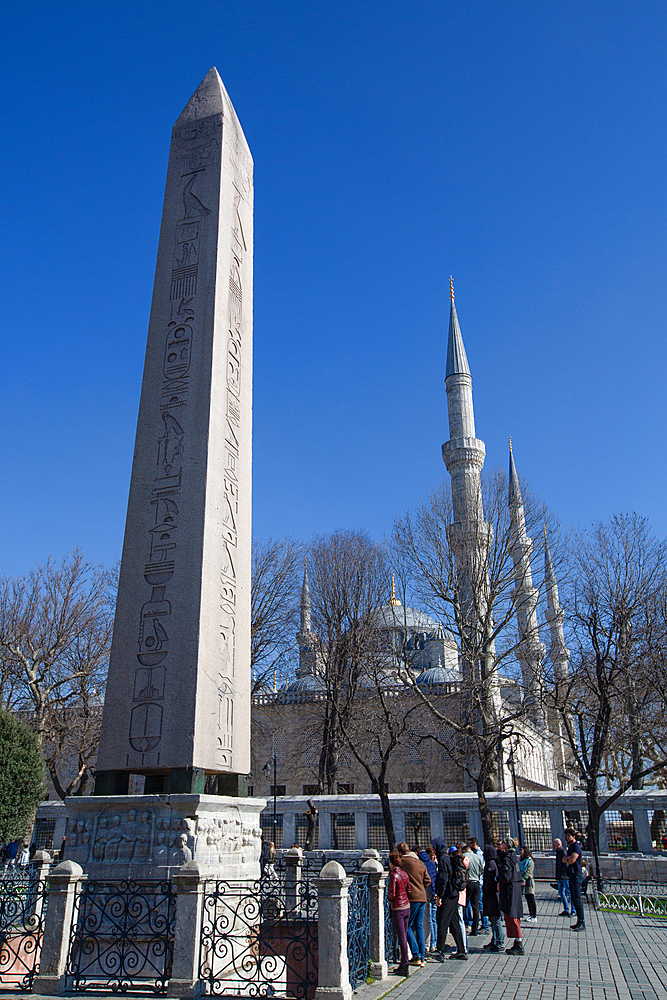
<point x="177" y="706"/>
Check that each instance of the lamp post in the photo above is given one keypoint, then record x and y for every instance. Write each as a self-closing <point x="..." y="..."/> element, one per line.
<point x="267" y="772"/>
<point x="510" y="764"/>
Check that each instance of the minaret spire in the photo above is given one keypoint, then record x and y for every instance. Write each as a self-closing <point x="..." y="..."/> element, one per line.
<point x="305" y="637"/>
<point x="469" y="534"/>
<point x="559" y="654"/>
<point x="530" y="651"/>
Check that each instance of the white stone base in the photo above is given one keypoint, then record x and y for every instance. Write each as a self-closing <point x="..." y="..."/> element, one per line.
<point x="118" y="837"/>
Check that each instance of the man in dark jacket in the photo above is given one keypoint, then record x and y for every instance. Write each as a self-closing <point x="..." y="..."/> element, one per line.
<point x="447" y="901"/>
<point x="490" y="899"/>
<point x="510" y="896"/>
<point x="562" y="879"/>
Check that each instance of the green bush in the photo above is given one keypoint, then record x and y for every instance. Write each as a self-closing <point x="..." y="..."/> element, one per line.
<point x="21" y="776"/>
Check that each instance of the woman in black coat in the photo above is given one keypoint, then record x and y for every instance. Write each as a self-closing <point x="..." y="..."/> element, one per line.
<point x="490" y="899"/>
<point x="510" y="896"/>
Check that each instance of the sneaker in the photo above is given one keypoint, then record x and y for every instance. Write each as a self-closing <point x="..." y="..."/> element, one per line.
<point x="578" y="927"/>
<point x="437" y="956"/>
<point x="516" y="949"/>
<point x="494" y="949"/>
<point x="460" y="955"/>
<point x="415" y="961"/>
<point x="564" y="913"/>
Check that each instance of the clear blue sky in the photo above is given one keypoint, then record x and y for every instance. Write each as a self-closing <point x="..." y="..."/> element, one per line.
<point x="519" y="146"/>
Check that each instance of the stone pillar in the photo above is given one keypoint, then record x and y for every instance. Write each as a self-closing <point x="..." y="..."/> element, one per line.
<point x="333" y="976"/>
<point x="41" y="865"/>
<point x="360" y="830"/>
<point x="603" y="845"/>
<point x="293" y="864"/>
<point x="324" y="829"/>
<point x="63" y="880"/>
<point x="643" y="831"/>
<point x="556" y="823"/>
<point x="377" y="878"/>
<point x="289" y="829"/>
<point x="184" y="980"/>
<point x="437" y="826"/>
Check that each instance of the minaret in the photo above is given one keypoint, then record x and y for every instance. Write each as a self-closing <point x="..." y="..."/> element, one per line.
<point x="530" y="651"/>
<point x="559" y="654"/>
<point x="305" y="637"/>
<point x="464" y="454"/>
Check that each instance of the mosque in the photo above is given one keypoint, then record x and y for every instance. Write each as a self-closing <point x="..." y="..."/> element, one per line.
<point x="286" y="724"/>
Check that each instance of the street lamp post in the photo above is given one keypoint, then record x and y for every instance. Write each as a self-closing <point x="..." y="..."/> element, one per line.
<point x="267" y="772"/>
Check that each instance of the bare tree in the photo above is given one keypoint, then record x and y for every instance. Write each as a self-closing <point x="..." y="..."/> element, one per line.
<point x="55" y="631"/>
<point x="274" y="606"/>
<point x="467" y="575"/>
<point x="348" y="581"/>
<point x="607" y="701"/>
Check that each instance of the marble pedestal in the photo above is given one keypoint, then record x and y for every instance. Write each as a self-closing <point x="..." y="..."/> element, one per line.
<point x="149" y="837"/>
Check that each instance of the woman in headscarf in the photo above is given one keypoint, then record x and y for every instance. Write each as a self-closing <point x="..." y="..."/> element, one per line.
<point x="509" y="895"/>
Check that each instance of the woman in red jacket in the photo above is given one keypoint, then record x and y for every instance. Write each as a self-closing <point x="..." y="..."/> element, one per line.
<point x="399" y="899"/>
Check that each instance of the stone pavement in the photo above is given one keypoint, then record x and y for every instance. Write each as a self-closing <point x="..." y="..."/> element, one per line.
<point x="618" y="957"/>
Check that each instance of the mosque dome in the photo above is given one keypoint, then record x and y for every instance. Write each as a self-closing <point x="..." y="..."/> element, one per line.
<point x="305" y="684"/>
<point x="438" y="675"/>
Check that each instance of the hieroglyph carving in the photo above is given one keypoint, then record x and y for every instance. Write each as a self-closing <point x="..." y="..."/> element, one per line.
<point x="196" y="147"/>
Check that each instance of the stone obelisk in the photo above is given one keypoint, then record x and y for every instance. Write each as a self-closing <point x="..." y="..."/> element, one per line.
<point x="177" y="705"/>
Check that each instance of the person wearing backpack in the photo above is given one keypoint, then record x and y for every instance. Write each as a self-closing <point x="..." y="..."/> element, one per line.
<point x="398" y="892"/>
<point x="510" y="894"/>
<point x="460" y="867"/>
<point x="447" y="902"/>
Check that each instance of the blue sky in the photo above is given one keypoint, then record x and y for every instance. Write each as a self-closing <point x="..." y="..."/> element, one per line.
<point x="520" y="147"/>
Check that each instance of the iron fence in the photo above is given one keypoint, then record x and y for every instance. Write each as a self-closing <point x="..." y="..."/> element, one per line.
<point x="23" y="900"/>
<point x="122" y="937"/>
<point x="358" y="929"/>
<point x="259" y="938"/>
<point x="391" y="952"/>
<point x="628" y="901"/>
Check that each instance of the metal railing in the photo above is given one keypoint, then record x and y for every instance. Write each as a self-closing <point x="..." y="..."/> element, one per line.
<point x="358" y="929"/>
<point x="642" y="899"/>
<point x="259" y="938"/>
<point x="23" y="901"/>
<point x="391" y="950"/>
<point x="122" y="936"/>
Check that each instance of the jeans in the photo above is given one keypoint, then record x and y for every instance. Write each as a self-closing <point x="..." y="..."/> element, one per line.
<point x="564" y="893"/>
<point x="400" y="919"/>
<point x="485" y="920"/>
<point x="462" y="922"/>
<point x="432" y="923"/>
<point x="497" y="931"/>
<point x="416" y="930"/>
<point x="575" y="893"/>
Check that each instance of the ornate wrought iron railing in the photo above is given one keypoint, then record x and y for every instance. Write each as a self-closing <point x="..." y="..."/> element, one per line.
<point x="259" y="938"/>
<point x="358" y="929"/>
<point x="23" y="900"/>
<point x="391" y="952"/>
<point x="636" y="888"/>
<point x="122" y="936"/>
<point x="640" y="903"/>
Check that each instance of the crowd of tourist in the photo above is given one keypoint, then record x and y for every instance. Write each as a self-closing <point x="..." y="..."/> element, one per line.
<point x="463" y="891"/>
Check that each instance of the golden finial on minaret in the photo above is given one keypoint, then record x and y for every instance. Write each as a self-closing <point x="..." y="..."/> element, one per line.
<point x="451" y="288"/>
<point x="510" y="441"/>
<point x="393" y="602"/>
<point x="275" y="679"/>
<point x="545" y="532"/>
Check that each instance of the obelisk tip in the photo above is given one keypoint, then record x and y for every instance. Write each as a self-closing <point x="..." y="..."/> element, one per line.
<point x="207" y="99"/>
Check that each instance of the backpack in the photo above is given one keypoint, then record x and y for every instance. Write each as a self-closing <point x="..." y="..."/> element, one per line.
<point x="459" y="874"/>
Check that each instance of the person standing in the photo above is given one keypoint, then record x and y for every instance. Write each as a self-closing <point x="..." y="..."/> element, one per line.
<point x="527" y="866"/>
<point x="575" y="876"/>
<point x="430" y="863"/>
<point x="447" y="901"/>
<point x="473" y="844"/>
<point x="509" y="895"/>
<point x="562" y="880"/>
<point x="474" y="886"/>
<point x="398" y="893"/>
<point x="419" y="881"/>
<point x="490" y="900"/>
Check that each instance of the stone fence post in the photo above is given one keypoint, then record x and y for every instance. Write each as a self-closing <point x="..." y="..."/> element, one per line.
<point x="184" y="980"/>
<point x="64" y="881"/>
<point x="41" y="863"/>
<point x="333" y="976"/>
<point x="293" y="865"/>
<point x="377" y="878"/>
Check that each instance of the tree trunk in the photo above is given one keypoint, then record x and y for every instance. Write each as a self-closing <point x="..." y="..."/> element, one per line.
<point x="484" y="811"/>
<point x="386" y="815"/>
